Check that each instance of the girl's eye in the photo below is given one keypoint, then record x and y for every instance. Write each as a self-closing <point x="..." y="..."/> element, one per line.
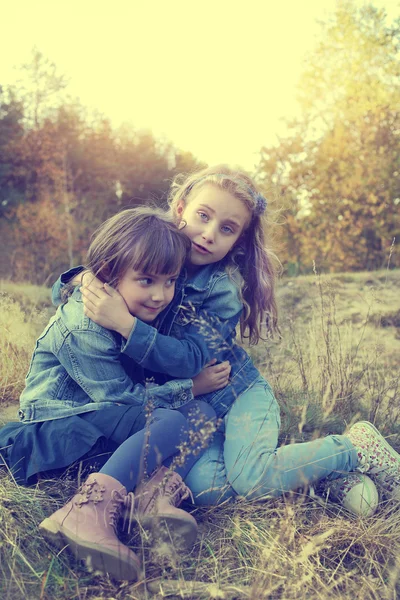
<point x="226" y="229"/>
<point x="146" y="281"/>
<point x="170" y="282"/>
<point x="203" y="215"/>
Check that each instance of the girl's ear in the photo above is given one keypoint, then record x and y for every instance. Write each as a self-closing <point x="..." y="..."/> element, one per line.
<point x="180" y="208"/>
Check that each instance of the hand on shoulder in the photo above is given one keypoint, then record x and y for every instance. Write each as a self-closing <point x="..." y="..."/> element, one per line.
<point x="105" y="306"/>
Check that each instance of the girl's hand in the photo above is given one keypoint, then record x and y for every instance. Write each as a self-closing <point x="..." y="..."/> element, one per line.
<point x="211" y="378"/>
<point x="106" y="307"/>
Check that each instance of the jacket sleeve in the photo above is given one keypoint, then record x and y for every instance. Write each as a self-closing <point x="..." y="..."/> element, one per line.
<point x="203" y="335"/>
<point x="61" y="281"/>
<point x="92" y="359"/>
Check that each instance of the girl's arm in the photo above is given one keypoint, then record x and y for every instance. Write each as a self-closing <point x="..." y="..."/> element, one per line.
<point x="205" y="333"/>
<point x="92" y="359"/>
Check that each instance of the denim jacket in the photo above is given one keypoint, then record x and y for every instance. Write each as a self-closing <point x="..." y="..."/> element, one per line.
<point x="76" y="367"/>
<point x="199" y="324"/>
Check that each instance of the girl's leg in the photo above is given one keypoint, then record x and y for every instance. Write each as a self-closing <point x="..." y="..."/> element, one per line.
<point x="207" y="478"/>
<point x="257" y="468"/>
<point x="88" y="522"/>
<point x="147" y="449"/>
<point x="200" y="418"/>
<point x="157" y="499"/>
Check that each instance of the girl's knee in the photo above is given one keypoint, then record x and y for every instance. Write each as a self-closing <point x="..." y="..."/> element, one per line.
<point x="173" y="419"/>
<point x="202" y="408"/>
<point x="245" y="474"/>
<point x="198" y="411"/>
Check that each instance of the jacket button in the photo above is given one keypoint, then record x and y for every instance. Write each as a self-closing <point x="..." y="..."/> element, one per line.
<point x="21" y="414"/>
<point x="184" y="396"/>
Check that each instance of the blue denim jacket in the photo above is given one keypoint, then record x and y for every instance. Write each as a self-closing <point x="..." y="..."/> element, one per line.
<point x="200" y="324"/>
<point x="76" y="367"/>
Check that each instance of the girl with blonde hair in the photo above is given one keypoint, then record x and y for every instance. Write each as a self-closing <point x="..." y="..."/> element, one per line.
<point x="229" y="279"/>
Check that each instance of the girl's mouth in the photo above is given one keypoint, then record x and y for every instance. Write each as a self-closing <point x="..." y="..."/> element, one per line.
<point x="201" y="249"/>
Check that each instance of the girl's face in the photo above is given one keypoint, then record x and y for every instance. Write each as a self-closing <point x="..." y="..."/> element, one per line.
<point x="146" y="295"/>
<point x="214" y="221"/>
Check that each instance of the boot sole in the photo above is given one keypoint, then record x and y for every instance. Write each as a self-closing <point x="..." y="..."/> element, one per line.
<point x="170" y="530"/>
<point x="95" y="558"/>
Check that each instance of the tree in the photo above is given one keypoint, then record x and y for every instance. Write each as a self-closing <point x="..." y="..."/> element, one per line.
<point x="340" y="163"/>
<point x="11" y="131"/>
<point x="41" y="89"/>
<point x="71" y="171"/>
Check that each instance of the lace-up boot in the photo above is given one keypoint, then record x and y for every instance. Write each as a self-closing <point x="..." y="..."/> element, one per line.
<point x="376" y="457"/>
<point x="88" y="524"/>
<point x="155" y="507"/>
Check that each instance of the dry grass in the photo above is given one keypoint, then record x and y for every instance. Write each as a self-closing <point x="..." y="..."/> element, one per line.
<point x="338" y="358"/>
<point x="340" y="351"/>
<point x="289" y="548"/>
<point x="24" y="310"/>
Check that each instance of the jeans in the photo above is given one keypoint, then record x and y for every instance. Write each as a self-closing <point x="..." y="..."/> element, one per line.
<point x="160" y="442"/>
<point x="246" y="461"/>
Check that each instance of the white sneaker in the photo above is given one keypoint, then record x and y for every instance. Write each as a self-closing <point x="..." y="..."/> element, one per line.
<point x="376" y="457"/>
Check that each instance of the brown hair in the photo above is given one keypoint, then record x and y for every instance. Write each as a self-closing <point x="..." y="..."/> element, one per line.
<point x="144" y="239"/>
<point x="251" y="256"/>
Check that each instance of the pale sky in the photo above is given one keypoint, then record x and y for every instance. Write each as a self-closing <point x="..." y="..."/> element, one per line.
<point x="214" y="77"/>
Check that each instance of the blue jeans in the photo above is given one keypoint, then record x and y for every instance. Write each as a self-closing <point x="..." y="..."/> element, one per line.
<point x="246" y="461"/>
<point x="169" y="435"/>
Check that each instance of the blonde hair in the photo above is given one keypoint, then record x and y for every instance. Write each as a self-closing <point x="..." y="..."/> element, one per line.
<point x="250" y="256"/>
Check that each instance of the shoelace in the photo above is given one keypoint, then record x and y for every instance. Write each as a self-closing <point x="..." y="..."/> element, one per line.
<point x="174" y="488"/>
<point x="120" y="501"/>
<point x="178" y="490"/>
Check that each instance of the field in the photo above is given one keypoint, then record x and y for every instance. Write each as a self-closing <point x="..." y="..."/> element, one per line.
<point x="337" y="361"/>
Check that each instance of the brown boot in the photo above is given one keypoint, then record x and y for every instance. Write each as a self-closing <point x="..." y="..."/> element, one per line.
<point x="88" y="524"/>
<point x="155" y="509"/>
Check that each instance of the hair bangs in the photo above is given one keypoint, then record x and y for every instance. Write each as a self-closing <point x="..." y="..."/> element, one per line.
<point x="143" y="239"/>
<point x="159" y="254"/>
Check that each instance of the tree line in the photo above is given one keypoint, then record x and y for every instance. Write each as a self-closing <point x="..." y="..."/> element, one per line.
<point x="334" y="178"/>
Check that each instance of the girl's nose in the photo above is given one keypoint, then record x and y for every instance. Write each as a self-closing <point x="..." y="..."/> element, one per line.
<point x="157" y="294"/>
<point x="209" y="233"/>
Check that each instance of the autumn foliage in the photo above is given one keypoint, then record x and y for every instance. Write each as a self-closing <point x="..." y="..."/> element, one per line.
<point x="334" y="178"/>
<point x="339" y="168"/>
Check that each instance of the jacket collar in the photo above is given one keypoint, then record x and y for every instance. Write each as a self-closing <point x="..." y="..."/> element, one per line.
<point x="201" y="280"/>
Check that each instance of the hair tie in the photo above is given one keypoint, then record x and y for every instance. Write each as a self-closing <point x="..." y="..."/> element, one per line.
<point x="261" y="205"/>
